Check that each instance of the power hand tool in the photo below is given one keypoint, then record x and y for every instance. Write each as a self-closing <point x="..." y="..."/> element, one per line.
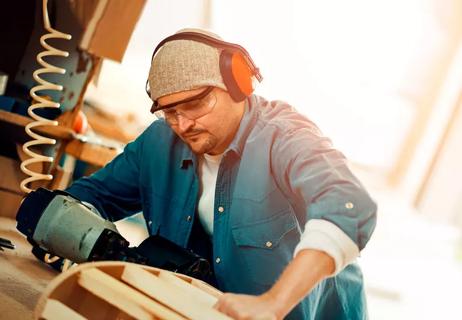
<point x="57" y="223"/>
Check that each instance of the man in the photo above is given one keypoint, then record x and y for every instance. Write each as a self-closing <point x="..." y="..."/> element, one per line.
<point x="248" y="183"/>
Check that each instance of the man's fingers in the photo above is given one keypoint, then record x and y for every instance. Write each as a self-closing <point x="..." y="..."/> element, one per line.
<point x="222" y="302"/>
<point x="265" y="317"/>
<point x="241" y="307"/>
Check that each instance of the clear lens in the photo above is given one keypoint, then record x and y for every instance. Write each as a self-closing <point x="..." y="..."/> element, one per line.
<point x="199" y="109"/>
<point x="160" y="114"/>
<point x="191" y="110"/>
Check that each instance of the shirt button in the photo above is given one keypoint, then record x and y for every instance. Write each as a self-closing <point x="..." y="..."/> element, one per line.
<point x="218" y="260"/>
<point x="221" y="209"/>
<point x="349" y="205"/>
<point x="188" y="218"/>
<point x="269" y="244"/>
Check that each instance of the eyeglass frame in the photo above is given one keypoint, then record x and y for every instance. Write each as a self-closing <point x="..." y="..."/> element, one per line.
<point x="199" y="97"/>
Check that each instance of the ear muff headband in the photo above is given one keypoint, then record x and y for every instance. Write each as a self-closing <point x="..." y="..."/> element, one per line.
<point x="236" y="75"/>
<point x="236" y="66"/>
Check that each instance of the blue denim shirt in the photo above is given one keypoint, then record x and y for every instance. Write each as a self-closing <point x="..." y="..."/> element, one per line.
<point x="278" y="172"/>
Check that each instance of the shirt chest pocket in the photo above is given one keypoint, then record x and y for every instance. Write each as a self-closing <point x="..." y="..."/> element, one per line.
<point x="265" y="247"/>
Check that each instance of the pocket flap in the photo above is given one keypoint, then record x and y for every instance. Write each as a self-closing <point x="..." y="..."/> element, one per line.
<point x="265" y="233"/>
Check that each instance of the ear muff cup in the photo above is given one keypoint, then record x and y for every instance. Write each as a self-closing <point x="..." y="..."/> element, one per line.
<point x="236" y="74"/>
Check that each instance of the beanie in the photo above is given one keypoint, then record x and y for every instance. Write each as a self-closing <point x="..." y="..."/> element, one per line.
<point x="181" y="65"/>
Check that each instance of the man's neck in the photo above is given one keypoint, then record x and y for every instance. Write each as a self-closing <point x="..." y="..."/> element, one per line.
<point x="222" y="147"/>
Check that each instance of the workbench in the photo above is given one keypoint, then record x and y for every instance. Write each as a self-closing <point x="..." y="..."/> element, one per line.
<point x="12" y="125"/>
<point x="22" y="277"/>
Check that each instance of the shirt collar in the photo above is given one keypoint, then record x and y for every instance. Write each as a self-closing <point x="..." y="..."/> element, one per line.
<point x="237" y="145"/>
<point x="245" y="127"/>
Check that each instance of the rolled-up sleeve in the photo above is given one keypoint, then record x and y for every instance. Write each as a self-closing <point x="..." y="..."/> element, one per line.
<point x="340" y="214"/>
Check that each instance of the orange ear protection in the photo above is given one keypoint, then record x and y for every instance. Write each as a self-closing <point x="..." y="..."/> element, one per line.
<point x="236" y="66"/>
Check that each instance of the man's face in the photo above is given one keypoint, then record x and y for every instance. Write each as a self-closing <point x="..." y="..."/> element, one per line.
<point x="207" y="125"/>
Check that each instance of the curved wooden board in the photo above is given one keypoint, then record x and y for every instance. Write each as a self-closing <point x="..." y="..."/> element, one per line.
<point x="99" y="290"/>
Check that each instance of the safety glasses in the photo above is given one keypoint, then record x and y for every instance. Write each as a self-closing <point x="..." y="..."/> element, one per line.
<point x="191" y="108"/>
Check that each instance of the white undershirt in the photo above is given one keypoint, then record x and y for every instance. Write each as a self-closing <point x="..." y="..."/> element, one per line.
<point x="319" y="234"/>
<point x="208" y="171"/>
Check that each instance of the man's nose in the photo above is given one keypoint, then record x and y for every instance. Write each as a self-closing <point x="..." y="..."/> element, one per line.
<point x="184" y="124"/>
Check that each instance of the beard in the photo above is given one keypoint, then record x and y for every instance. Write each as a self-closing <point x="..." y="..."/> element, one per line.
<point x="200" y="144"/>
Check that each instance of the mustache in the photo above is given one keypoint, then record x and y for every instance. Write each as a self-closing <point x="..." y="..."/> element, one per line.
<point x="192" y="132"/>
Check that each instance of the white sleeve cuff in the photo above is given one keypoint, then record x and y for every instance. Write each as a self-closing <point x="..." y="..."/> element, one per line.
<point x="325" y="236"/>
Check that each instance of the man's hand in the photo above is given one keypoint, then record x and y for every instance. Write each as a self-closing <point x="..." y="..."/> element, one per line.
<point x="298" y="279"/>
<point x="247" y="307"/>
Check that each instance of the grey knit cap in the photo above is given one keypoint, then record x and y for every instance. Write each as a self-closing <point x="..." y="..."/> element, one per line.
<point x="182" y="65"/>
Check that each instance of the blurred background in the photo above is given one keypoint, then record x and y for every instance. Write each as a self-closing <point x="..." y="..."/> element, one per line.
<point x="383" y="80"/>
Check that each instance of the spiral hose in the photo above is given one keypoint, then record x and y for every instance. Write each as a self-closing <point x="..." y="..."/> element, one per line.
<point x="42" y="102"/>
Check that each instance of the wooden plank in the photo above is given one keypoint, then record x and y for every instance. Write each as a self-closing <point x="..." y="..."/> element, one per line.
<point x="207" y="288"/>
<point x="199" y="284"/>
<point x="54" y="132"/>
<point x="91" y="153"/>
<point x="109" y="30"/>
<point x="98" y="283"/>
<point x="124" y="297"/>
<point x="170" y="295"/>
<point x="56" y="310"/>
<point x="198" y="294"/>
